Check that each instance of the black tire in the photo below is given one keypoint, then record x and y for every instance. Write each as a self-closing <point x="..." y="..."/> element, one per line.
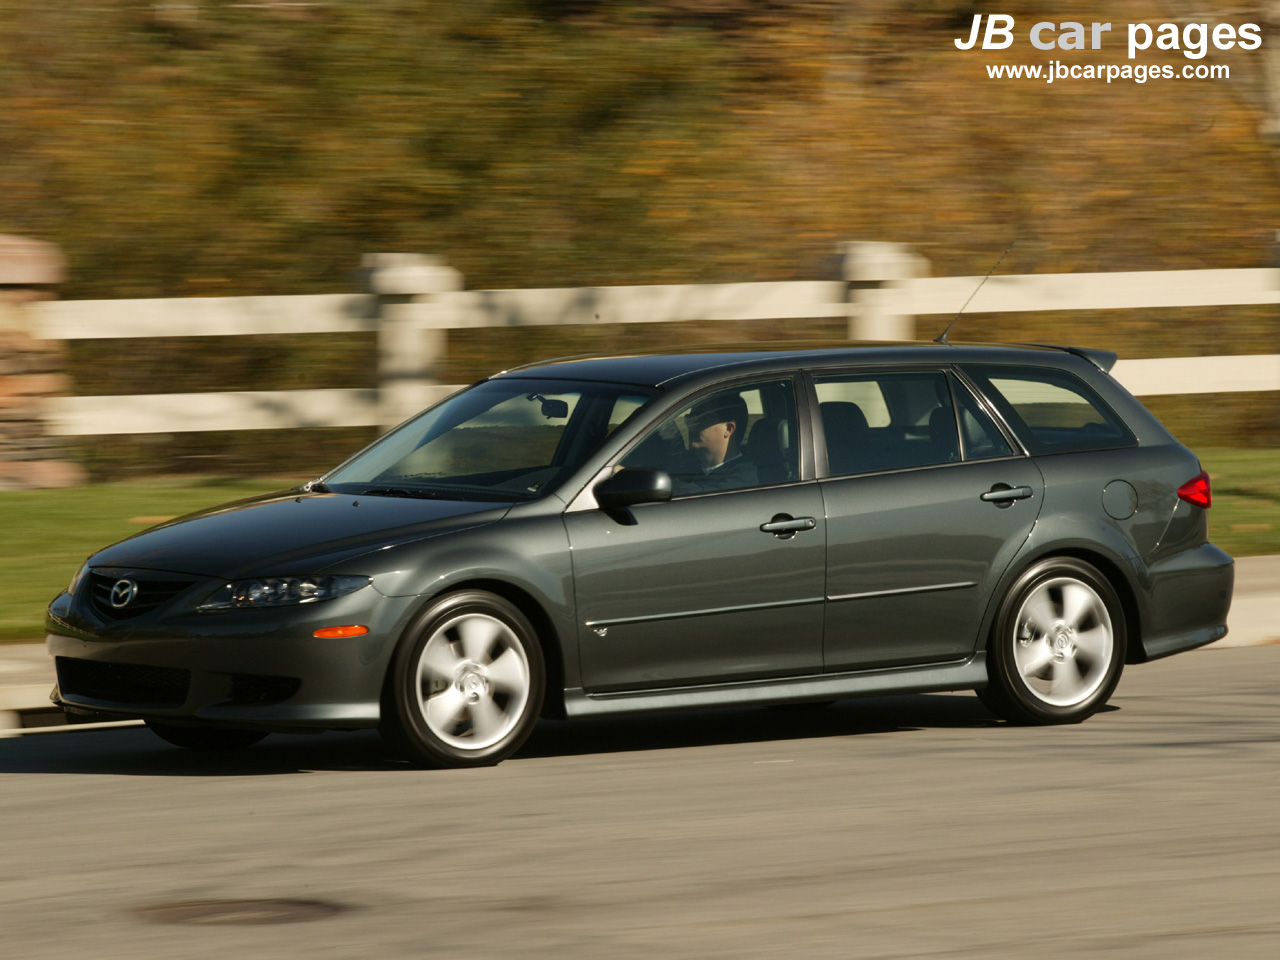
<point x="205" y="738"/>
<point x="466" y="683"/>
<point x="1058" y="645"/>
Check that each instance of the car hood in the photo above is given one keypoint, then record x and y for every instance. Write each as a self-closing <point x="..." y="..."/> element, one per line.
<point x="290" y="533"/>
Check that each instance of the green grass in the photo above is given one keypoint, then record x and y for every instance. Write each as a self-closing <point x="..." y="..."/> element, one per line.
<point x="47" y="534"/>
<point x="1245" y="517"/>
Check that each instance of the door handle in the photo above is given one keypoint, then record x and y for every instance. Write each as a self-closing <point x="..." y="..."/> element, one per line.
<point x="1003" y="495"/>
<point x="784" y="526"/>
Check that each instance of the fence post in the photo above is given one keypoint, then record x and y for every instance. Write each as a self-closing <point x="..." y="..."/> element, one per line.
<point x="872" y="273"/>
<point x="412" y="332"/>
<point x="31" y="370"/>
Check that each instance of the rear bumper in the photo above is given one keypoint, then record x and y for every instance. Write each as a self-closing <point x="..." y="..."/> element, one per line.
<point x="1185" y="601"/>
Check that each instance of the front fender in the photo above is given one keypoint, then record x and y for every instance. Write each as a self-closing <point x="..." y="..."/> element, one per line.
<point x="528" y="553"/>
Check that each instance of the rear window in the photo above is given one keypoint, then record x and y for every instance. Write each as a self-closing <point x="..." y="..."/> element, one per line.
<point x="1051" y="411"/>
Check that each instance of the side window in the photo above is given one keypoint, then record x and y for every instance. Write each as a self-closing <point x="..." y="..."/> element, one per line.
<point x="1051" y="410"/>
<point x="729" y="439"/>
<point x="982" y="438"/>
<point x="911" y="422"/>
<point x="865" y="394"/>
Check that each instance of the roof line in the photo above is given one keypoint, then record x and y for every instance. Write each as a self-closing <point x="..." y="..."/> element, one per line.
<point x="543" y="363"/>
<point x="1104" y="360"/>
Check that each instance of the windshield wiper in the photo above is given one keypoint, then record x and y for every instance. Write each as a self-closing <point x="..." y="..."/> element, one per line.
<point x="418" y="493"/>
<point x="423" y="493"/>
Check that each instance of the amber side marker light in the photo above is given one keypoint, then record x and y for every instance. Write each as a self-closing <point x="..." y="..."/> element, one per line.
<point x="336" y="633"/>
<point x="1197" y="491"/>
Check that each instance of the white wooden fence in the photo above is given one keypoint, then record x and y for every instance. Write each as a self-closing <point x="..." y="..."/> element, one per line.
<point x="415" y="300"/>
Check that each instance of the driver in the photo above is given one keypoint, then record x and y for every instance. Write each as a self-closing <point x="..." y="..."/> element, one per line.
<point x="716" y="427"/>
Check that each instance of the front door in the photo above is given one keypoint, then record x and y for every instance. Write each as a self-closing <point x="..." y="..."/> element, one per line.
<point x="696" y="592"/>
<point x="725" y="581"/>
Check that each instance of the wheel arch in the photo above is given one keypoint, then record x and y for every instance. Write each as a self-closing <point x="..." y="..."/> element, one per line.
<point x="1110" y="568"/>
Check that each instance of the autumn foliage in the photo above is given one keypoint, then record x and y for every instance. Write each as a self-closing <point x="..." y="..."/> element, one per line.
<point x="223" y="149"/>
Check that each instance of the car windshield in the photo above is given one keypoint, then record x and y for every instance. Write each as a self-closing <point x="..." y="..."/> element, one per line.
<point x="506" y="439"/>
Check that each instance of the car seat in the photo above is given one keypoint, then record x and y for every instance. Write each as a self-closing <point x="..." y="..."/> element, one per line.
<point x="769" y="447"/>
<point x="848" y="437"/>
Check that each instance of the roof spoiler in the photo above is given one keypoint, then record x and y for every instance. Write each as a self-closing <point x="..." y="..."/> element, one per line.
<point x="1104" y="360"/>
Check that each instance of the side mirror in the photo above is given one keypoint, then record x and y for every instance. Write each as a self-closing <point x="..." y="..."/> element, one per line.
<point x="626" y="488"/>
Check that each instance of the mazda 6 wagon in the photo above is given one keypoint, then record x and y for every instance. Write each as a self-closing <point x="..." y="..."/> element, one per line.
<point x="637" y="533"/>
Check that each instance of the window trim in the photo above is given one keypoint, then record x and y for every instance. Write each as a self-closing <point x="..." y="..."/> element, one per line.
<point x="1011" y="438"/>
<point x="955" y="415"/>
<point x="813" y="422"/>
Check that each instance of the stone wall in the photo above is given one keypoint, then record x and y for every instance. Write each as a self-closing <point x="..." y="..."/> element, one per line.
<point x="31" y="370"/>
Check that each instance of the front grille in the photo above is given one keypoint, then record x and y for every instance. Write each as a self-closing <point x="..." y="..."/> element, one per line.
<point x="151" y="594"/>
<point x="127" y="683"/>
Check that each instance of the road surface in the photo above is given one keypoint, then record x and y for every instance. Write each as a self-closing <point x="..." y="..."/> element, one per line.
<point x="908" y="827"/>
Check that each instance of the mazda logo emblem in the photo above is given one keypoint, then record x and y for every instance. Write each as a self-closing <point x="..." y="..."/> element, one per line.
<point x="122" y="593"/>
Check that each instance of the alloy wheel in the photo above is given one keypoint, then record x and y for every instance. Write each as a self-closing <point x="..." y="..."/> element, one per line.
<point x="1063" y="641"/>
<point x="473" y="681"/>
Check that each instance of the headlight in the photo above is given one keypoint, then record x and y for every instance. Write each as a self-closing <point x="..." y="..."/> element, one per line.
<point x="75" y="581"/>
<point x="281" y="591"/>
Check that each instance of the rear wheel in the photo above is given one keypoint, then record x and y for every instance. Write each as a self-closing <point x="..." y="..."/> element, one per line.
<point x="205" y="738"/>
<point x="1058" y="647"/>
<point x="466" y="683"/>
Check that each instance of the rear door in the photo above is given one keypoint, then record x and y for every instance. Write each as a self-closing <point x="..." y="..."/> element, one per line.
<point x="927" y="502"/>
<point x="1089" y="456"/>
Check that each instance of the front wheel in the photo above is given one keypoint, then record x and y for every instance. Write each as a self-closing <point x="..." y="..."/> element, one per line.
<point x="466" y="683"/>
<point x="1059" y="645"/>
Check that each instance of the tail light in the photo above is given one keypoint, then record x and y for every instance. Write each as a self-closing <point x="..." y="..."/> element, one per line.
<point x="1196" y="491"/>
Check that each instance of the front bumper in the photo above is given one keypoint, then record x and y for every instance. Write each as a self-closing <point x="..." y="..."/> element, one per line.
<point x="258" y="669"/>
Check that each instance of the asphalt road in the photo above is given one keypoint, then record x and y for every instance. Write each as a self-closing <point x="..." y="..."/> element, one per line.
<point x="910" y="827"/>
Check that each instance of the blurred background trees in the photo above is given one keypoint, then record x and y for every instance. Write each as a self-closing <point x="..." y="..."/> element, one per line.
<point x="217" y="148"/>
<point x="220" y="148"/>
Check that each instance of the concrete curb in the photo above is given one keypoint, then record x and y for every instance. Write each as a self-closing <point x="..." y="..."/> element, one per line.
<point x="27" y="709"/>
<point x="23" y="707"/>
<point x="1254" y="621"/>
<point x="26" y="697"/>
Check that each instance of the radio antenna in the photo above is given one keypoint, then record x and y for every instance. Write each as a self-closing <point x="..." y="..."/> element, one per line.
<point x="943" y="338"/>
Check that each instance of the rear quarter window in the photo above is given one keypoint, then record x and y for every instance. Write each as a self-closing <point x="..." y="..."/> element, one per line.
<point x="1052" y="411"/>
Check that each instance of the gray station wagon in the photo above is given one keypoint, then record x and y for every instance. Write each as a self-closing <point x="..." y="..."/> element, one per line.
<point x="612" y="535"/>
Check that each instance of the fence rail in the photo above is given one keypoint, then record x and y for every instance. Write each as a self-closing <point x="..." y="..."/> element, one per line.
<point x="1150" y="290"/>
<point x="284" y="409"/>
<point x="415" y="300"/>
<point x="205" y="317"/>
